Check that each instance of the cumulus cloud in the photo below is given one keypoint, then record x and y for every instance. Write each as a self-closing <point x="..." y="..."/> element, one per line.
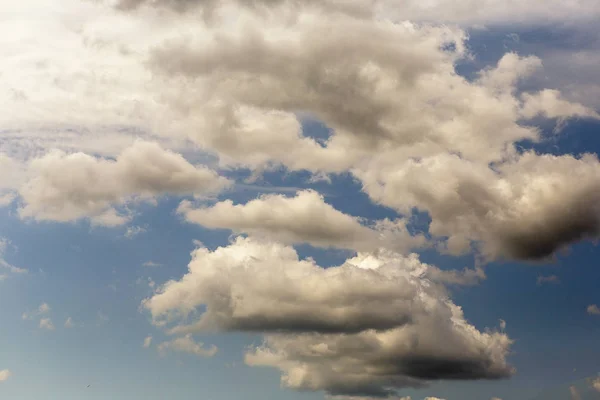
<point x="186" y="344"/>
<point x="352" y="7"/>
<point x="401" y="130"/>
<point x="147" y="342"/>
<point x="66" y="187"/>
<point x="526" y="209"/>
<point x="151" y="264"/>
<point x="595" y="383"/>
<point x="366" y="328"/>
<point x="387" y="90"/>
<point x="305" y="218"/>
<point x="69" y="323"/>
<point x="46" y="323"/>
<point x="44" y="308"/>
<point x="4" y="375"/>
<point x="593" y="309"/>
<point x="133" y="231"/>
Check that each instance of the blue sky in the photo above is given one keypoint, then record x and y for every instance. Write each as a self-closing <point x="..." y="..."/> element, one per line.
<point x="174" y="181"/>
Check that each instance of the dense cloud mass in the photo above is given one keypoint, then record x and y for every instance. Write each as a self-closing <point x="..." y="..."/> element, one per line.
<point x="65" y="187"/>
<point x="305" y="218"/>
<point x="401" y="130"/>
<point x="366" y="328"/>
<point x="114" y="91"/>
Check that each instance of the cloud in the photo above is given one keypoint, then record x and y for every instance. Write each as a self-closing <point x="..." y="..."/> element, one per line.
<point x="548" y="103"/>
<point x="401" y="131"/>
<point x="44" y="308"/>
<point x="151" y="264"/>
<point x="133" y="231"/>
<point x="6" y="199"/>
<point x="147" y="342"/>
<point x="332" y="329"/>
<point x="593" y="309"/>
<point x="4" y="375"/>
<point x="595" y="383"/>
<point x="526" y="209"/>
<point x="186" y="344"/>
<point x="92" y="186"/>
<point x="492" y="12"/>
<point x="547" y="279"/>
<point x="69" y="323"/>
<point x="574" y="393"/>
<point x="462" y="12"/>
<point x="305" y="218"/>
<point x="388" y="91"/>
<point x="352" y="7"/>
<point x="466" y="277"/>
<point x="5" y="265"/>
<point x="46" y="323"/>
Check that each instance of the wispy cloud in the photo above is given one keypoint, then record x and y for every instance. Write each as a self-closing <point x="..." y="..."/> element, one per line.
<point x="553" y="279"/>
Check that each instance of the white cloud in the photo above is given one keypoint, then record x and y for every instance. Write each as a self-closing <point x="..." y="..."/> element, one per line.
<point x="4" y="375"/>
<point x="134" y="231"/>
<point x="305" y="218"/>
<point x="374" y="304"/>
<point x="7" y="198"/>
<point x="595" y="383"/>
<point x="5" y="265"/>
<point x="44" y="308"/>
<point x="46" y="323"/>
<point x="593" y="309"/>
<point x="502" y="325"/>
<point x="147" y="341"/>
<point x="388" y="90"/>
<point x="400" y="131"/>
<point x="151" y="264"/>
<point x="186" y="344"/>
<point x="548" y="103"/>
<point x="92" y="187"/>
<point x="69" y="323"/>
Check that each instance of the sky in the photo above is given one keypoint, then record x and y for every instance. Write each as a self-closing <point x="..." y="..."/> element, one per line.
<point x="299" y="200"/>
